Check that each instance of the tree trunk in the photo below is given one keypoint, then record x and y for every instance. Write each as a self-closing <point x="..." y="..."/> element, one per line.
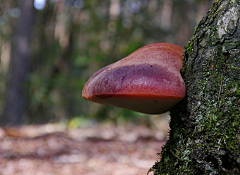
<point x="15" y="96"/>
<point x="205" y="126"/>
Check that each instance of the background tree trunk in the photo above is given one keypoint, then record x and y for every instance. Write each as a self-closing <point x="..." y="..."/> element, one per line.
<point x="205" y="126"/>
<point x="15" y="96"/>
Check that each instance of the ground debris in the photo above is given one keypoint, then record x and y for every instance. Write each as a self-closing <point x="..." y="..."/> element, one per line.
<point x="99" y="150"/>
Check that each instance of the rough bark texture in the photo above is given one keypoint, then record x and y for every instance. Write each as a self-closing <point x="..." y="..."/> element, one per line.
<point x="205" y="126"/>
<point x="15" y="95"/>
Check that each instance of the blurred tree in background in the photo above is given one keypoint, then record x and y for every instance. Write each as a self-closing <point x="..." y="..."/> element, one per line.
<point x="15" y="94"/>
<point x="68" y="41"/>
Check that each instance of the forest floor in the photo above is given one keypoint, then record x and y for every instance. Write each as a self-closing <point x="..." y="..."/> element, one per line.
<point x="52" y="149"/>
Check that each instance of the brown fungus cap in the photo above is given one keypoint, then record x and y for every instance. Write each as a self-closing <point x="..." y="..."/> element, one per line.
<point x="147" y="81"/>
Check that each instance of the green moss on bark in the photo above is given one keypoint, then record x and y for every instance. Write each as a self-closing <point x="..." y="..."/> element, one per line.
<point x="205" y="126"/>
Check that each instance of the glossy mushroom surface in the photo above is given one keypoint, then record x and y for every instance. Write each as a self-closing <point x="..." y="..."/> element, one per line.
<point x="147" y="81"/>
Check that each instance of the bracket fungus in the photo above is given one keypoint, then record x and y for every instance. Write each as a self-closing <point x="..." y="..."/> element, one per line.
<point x="146" y="81"/>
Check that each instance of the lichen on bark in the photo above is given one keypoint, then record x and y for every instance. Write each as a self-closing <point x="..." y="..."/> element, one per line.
<point x="205" y="126"/>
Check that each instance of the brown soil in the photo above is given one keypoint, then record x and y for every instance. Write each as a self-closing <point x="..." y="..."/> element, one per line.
<point x="98" y="150"/>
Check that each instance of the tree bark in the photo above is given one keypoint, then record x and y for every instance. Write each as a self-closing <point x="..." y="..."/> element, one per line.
<point x="15" y="95"/>
<point x="205" y="126"/>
